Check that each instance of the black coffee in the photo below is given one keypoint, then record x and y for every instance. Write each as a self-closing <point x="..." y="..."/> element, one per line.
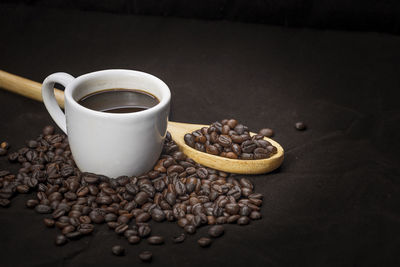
<point x="119" y="100"/>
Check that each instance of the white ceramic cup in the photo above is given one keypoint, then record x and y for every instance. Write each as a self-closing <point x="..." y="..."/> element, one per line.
<point x="111" y="144"/>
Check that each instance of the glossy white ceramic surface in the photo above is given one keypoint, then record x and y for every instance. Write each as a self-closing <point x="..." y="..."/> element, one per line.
<point x="109" y="143"/>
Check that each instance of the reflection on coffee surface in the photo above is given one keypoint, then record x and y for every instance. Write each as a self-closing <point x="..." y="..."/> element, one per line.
<point x="119" y="100"/>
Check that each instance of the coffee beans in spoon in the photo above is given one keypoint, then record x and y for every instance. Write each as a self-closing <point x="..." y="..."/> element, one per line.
<point x="176" y="189"/>
<point x="230" y="139"/>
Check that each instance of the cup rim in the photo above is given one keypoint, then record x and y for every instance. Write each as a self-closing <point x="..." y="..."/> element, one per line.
<point x="163" y="101"/>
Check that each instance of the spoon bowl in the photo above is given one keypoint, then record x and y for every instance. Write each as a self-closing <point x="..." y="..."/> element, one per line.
<point x="259" y="166"/>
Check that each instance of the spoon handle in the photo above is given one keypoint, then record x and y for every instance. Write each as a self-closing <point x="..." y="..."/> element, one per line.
<point x="26" y="87"/>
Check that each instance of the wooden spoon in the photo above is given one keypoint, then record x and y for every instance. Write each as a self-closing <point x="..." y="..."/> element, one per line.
<point x="32" y="90"/>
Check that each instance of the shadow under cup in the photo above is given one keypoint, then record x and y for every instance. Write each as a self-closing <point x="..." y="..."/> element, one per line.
<point x="116" y="144"/>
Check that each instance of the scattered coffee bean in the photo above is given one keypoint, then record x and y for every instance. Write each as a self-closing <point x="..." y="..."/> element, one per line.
<point x="74" y="235"/>
<point x="41" y="208"/>
<point x="145" y="256"/>
<point x="255" y="215"/>
<point x="216" y="231"/>
<point x="300" y="126"/>
<point x="133" y="239"/>
<point x="204" y="242"/>
<point x="118" y="250"/>
<point x="155" y="240"/>
<point x="144" y="230"/>
<point x="61" y="240"/>
<point x="4" y="202"/>
<point x="190" y="229"/>
<point x="49" y="222"/>
<point x="243" y="220"/>
<point x="180" y="238"/>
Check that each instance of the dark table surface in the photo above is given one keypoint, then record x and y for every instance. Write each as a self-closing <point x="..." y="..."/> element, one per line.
<point x="336" y="199"/>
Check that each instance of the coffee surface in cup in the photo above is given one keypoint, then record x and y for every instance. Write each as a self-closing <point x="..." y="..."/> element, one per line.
<point x="119" y="100"/>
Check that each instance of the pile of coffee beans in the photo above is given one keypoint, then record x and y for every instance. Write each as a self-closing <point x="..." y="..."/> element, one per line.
<point x="230" y="139"/>
<point x="176" y="189"/>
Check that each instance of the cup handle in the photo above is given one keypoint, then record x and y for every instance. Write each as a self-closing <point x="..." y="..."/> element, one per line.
<point x="49" y="99"/>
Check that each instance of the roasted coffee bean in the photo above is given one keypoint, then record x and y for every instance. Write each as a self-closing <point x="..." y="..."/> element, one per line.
<point x="141" y="198"/>
<point x="58" y="213"/>
<point x="132" y="188"/>
<point x="204" y="242"/>
<point x="202" y="173"/>
<point x="231" y="155"/>
<point x="212" y="149"/>
<point x="255" y="215"/>
<point x="118" y="250"/>
<point x="239" y="128"/>
<point x="61" y="240"/>
<point x="248" y="146"/>
<point x="4" y="173"/>
<point x="32" y="182"/>
<point x="190" y="229"/>
<point x="232" y="218"/>
<point x="261" y="150"/>
<point x="3" y="151"/>
<point x="256" y="196"/>
<point x="244" y="211"/>
<point x="170" y="198"/>
<point x="130" y="232"/>
<point x="124" y="218"/>
<point x="143" y="217"/>
<point x="232" y="208"/>
<point x="200" y="147"/>
<point x="48" y="222"/>
<point x="300" y="126"/>
<point x="85" y="228"/>
<point x="13" y="157"/>
<point x="246" y="183"/>
<point x="216" y="231"/>
<point x="182" y="222"/>
<point x="175" y="168"/>
<point x="68" y="229"/>
<point x="267" y="132"/>
<point x="244" y="220"/>
<point x="112" y="225"/>
<point x="74" y="221"/>
<point x="155" y="240"/>
<point x="90" y="178"/>
<point x="43" y="209"/>
<point x="104" y="200"/>
<point x="133" y="239"/>
<point x="157" y="215"/>
<point x="74" y="235"/>
<point x="48" y="130"/>
<point x="67" y="170"/>
<point x="272" y="149"/>
<point x="144" y="230"/>
<point x="97" y="216"/>
<point x="247" y="156"/>
<point x="189" y="139"/>
<point x="121" y="229"/>
<point x="224" y="140"/>
<point x="178" y="212"/>
<point x="145" y="256"/>
<point x="22" y="189"/>
<point x="180" y="238"/>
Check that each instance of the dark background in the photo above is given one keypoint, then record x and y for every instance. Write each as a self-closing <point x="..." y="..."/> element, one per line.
<point x="336" y="199"/>
<point x="365" y="15"/>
